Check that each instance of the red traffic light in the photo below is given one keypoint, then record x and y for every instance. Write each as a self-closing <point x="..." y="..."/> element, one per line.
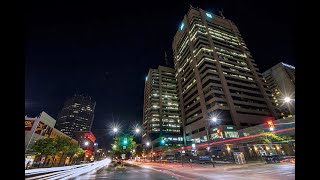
<point x="270" y="124"/>
<point x="219" y="132"/>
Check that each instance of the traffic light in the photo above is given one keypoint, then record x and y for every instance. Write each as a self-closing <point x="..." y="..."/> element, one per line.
<point x="270" y="124"/>
<point x="125" y="141"/>
<point x="162" y="141"/>
<point x="219" y="132"/>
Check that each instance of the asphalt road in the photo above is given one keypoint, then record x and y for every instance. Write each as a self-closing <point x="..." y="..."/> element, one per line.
<point x="131" y="172"/>
<point x="283" y="171"/>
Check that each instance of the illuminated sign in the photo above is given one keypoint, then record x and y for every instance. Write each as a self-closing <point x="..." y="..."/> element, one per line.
<point x="87" y="152"/>
<point x="43" y="129"/>
<point x="39" y="127"/>
<point x="89" y="136"/>
<point x="230" y="127"/>
<point x="28" y="124"/>
<point x="182" y="25"/>
<point x="209" y="15"/>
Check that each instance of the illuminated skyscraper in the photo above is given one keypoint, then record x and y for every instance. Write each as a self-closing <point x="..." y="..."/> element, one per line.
<point x="76" y="115"/>
<point x="281" y="82"/>
<point x="161" y="119"/>
<point x="219" y="84"/>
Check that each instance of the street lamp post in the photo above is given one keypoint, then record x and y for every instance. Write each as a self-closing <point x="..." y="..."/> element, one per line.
<point x="151" y="149"/>
<point x="86" y="143"/>
<point x="214" y="119"/>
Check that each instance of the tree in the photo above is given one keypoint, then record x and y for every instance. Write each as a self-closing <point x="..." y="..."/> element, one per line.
<point x="139" y="150"/>
<point x="120" y="142"/>
<point x="45" y="147"/>
<point x="77" y="155"/>
<point x="71" y="150"/>
<point x="56" y="146"/>
<point x="62" y="146"/>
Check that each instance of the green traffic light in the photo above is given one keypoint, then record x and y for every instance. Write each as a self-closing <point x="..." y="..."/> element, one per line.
<point x="162" y="141"/>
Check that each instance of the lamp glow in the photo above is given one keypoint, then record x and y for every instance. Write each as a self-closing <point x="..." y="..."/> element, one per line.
<point x="287" y="99"/>
<point x="137" y="130"/>
<point x="214" y="119"/>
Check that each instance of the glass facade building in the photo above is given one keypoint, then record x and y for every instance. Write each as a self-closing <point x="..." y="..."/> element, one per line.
<point x="161" y="120"/>
<point x="280" y="80"/>
<point x="76" y="115"/>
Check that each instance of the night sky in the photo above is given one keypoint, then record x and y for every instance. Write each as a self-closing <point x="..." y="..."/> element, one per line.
<point x="105" y="50"/>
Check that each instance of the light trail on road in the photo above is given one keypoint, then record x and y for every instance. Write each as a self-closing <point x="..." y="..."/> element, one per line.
<point x="65" y="172"/>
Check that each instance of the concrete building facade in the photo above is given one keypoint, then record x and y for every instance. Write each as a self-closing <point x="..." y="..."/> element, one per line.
<point x="41" y="127"/>
<point x="76" y="115"/>
<point x="161" y="120"/>
<point x="37" y="128"/>
<point x="217" y="78"/>
<point x="280" y="80"/>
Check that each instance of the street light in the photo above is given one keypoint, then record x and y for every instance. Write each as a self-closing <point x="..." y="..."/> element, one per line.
<point x="287" y="99"/>
<point x="148" y="143"/>
<point x="214" y="119"/>
<point x="137" y="130"/>
<point x="115" y="130"/>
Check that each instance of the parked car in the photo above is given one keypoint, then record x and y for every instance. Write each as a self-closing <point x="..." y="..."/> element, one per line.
<point x="272" y="159"/>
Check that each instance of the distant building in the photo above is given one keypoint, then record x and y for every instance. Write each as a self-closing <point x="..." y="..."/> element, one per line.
<point x="76" y="115"/>
<point x="87" y="141"/>
<point x="219" y="83"/>
<point x="280" y="80"/>
<point x="161" y="120"/>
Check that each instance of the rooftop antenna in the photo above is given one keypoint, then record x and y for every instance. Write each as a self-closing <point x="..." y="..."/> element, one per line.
<point x="166" y="58"/>
<point x="221" y="13"/>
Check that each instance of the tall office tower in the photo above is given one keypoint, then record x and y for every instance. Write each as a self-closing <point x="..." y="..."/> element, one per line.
<point x="161" y="120"/>
<point x="76" y="115"/>
<point x="219" y="85"/>
<point x="280" y="80"/>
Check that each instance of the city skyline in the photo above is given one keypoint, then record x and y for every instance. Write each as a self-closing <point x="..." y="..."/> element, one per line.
<point x="88" y="47"/>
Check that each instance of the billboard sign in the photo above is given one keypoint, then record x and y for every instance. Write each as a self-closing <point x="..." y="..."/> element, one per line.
<point x="43" y="129"/>
<point x="90" y="136"/>
<point x="28" y="125"/>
